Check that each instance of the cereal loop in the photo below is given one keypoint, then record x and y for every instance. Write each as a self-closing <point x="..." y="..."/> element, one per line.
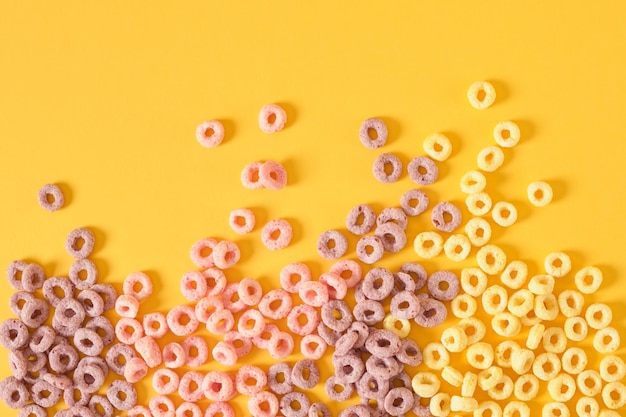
<point x="273" y="175"/>
<point x="506" y="134"/>
<point x="138" y="285"/>
<point x="478" y="204"/>
<point x="210" y="133"/>
<point x="481" y="95"/>
<point x="478" y="231"/>
<point x="557" y="264"/>
<point x="373" y="133"/>
<point x="226" y="254"/>
<point x="242" y="220"/>
<point x="423" y="170"/>
<point x="387" y="168"/>
<point x="428" y="245"/>
<point x="446" y="217"/>
<point x="414" y="202"/>
<point x="50" y="197"/>
<point x="491" y="259"/>
<point x="272" y="118"/>
<point x="332" y="244"/>
<point x="201" y="253"/>
<point x="437" y="146"/>
<point x="504" y="213"/>
<point x="250" y="176"/>
<point x="457" y="247"/>
<point x="276" y="234"/>
<point x="490" y="158"/>
<point x="539" y="193"/>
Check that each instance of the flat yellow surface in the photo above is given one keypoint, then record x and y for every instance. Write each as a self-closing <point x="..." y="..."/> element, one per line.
<point x="103" y="98"/>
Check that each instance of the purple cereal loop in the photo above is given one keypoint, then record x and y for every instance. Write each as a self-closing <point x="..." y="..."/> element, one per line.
<point x="89" y="377"/>
<point x="230" y="298"/>
<point x="186" y="388"/>
<point x="103" y="327"/>
<point x="369" y="312"/>
<point x="443" y="285"/>
<point x="33" y="410"/>
<point x="294" y="404"/>
<point x="402" y="379"/>
<point x="80" y="242"/>
<point x="392" y="215"/>
<point x="18" y="363"/>
<point x="410" y="353"/>
<point x="340" y="307"/>
<point x="13" y="334"/>
<point x="332" y="244"/>
<point x="377" y="284"/>
<point x="368" y="219"/>
<point x="92" y="302"/>
<point x="218" y="386"/>
<point x="77" y="411"/>
<point x="14" y="392"/>
<point x="88" y="342"/>
<point x="108" y="294"/>
<point x="249" y="372"/>
<point x="174" y="323"/>
<point x="372" y="387"/>
<point x="419" y="164"/>
<point x="317" y="410"/>
<point x="274" y="382"/>
<point x="348" y="368"/>
<point x="362" y="330"/>
<point x="380" y="164"/>
<point x="355" y="411"/>
<point x="35" y="313"/>
<point x="382" y="343"/>
<point x="113" y="357"/>
<point x="398" y="401"/>
<point x="373" y="125"/>
<point x="329" y="335"/>
<point x="193" y="285"/>
<point x="63" y="358"/>
<point x="434" y="312"/>
<point x="50" y="197"/>
<point x="369" y="249"/>
<point x="35" y="362"/>
<point x="220" y="408"/>
<point x="173" y="355"/>
<point x="392" y="236"/>
<point x="292" y="275"/>
<point x="409" y="208"/>
<point x="305" y="374"/>
<point x="14" y="274"/>
<point x="70" y="396"/>
<point x="95" y="361"/>
<point x="61" y="382"/>
<point x="384" y="368"/>
<point x="18" y="300"/>
<point x="242" y="345"/>
<point x="63" y="330"/>
<point x="102" y="401"/>
<point x="80" y="267"/>
<point x="405" y="305"/>
<point x="33" y="277"/>
<point x="42" y="339"/>
<point x="438" y="219"/>
<point x="358" y="292"/>
<point x="57" y="282"/>
<point x="138" y="284"/>
<point x="276" y="313"/>
<point x="403" y="282"/>
<point x="346" y="343"/>
<point x="196" y="351"/>
<point x="127" y="306"/>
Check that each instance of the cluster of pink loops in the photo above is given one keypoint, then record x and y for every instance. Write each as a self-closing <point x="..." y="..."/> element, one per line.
<point x="269" y="174"/>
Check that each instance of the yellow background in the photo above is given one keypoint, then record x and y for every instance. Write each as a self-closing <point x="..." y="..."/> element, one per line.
<point x="103" y="98"/>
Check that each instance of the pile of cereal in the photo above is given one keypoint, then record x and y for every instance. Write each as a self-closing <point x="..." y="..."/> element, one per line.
<point x="374" y="356"/>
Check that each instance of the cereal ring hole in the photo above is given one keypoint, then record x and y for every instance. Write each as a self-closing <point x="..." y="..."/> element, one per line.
<point x="82" y="274"/>
<point x="372" y="133"/>
<point x="271" y="118"/>
<point x="538" y="194"/>
<point x="422" y="170"/>
<point x="443" y="285"/>
<point x="50" y="198"/>
<point x="481" y="94"/>
<point x="505" y="133"/>
<point x="447" y="216"/>
<point x="557" y="263"/>
<point x="275" y="234"/>
<point x="607" y="339"/>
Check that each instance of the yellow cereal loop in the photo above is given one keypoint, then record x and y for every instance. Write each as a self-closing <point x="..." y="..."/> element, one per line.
<point x="598" y="315"/>
<point x="612" y="368"/>
<point x="606" y="340"/>
<point x="494" y="299"/>
<point x="514" y="275"/>
<point x="539" y="193"/>
<point x="488" y="378"/>
<point x="502" y="390"/>
<point x="526" y="387"/>
<point x="587" y="407"/>
<point x="490" y="158"/>
<point x="504" y="353"/>
<point x="555" y="409"/>
<point x="506" y="134"/>
<point x="457" y="247"/>
<point x="588" y="279"/>
<point x="463" y="306"/>
<point x="474" y="329"/>
<point x="608" y="413"/>
<point x="440" y="405"/>
<point x="401" y="327"/>
<point x="589" y="382"/>
<point x="557" y="264"/>
<point x="574" y="360"/>
<point x="454" y="339"/>
<point x="428" y="244"/>
<point x="546" y="366"/>
<point x="488" y="409"/>
<point x="530" y="319"/>
<point x="506" y="324"/>
<point x="516" y="409"/>
<point x="521" y="302"/>
<point x="463" y="404"/>
<point x="491" y="259"/>
<point x="473" y="182"/>
<point x="425" y="384"/>
<point x="571" y="303"/>
<point x="562" y="387"/>
<point x="478" y="231"/>
<point x="481" y="95"/>
<point x="554" y="340"/>
<point x="435" y="356"/>
<point x="546" y="307"/>
<point x="541" y="284"/>
<point x="470" y="381"/>
<point x="452" y="376"/>
<point x="473" y="281"/>
<point x="535" y="336"/>
<point x="478" y="203"/>
<point x="504" y="213"/>
<point x="522" y="361"/>
<point x="575" y="328"/>
<point x="437" y="146"/>
<point x="480" y="355"/>
<point x="614" y="395"/>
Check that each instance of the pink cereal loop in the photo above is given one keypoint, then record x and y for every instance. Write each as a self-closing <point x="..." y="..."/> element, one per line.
<point x="221" y="408"/>
<point x="188" y="409"/>
<point x="149" y="350"/>
<point x="250" y="372"/>
<point x="349" y="271"/>
<point x="312" y="319"/>
<point x="50" y="197"/>
<point x="127" y="306"/>
<point x="138" y="284"/>
<point x="230" y="298"/>
<point x="337" y="287"/>
<point x="242" y="345"/>
<point x="263" y="404"/>
<point x="182" y="320"/>
<point x="174" y="355"/>
<point x="135" y="370"/>
<point x="220" y="322"/>
<point x="273" y="175"/>
<point x="225" y="353"/>
<point x="251" y="323"/>
<point x="226" y="254"/>
<point x="269" y="310"/>
<point x="280" y="345"/>
<point x="277" y="234"/>
<point x="272" y="118"/>
<point x="292" y="275"/>
<point x="155" y="325"/>
<point x="210" y="133"/>
<point x="165" y="381"/>
<point x="201" y="252"/>
<point x="193" y="285"/>
<point x="242" y="220"/>
<point x="250" y="291"/>
<point x="250" y="176"/>
<point x="262" y="341"/>
<point x="313" y="346"/>
<point x="207" y="306"/>
<point x="161" y="406"/>
<point x="139" y="411"/>
<point x="128" y="330"/>
<point x="313" y="293"/>
<point x="190" y="386"/>
<point x="216" y="281"/>
<point x="196" y="351"/>
<point x="218" y="386"/>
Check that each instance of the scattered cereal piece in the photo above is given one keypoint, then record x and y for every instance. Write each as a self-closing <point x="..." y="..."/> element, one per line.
<point x="373" y="133"/>
<point x="370" y="249"/>
<point x="437" y="146"/>
<point x="473" y="182"/>
<point x="250" y="178"/>
<point x="414" y="202"/>
<point x="210" y="133"/>
<point x="332" y="244"/>
<point x="242" y="220"/>
<point x="504" y="213"/>
<point x="478" y="204"/>
<point x="273" y="175"/>
<point x="226" y="254"/>
<point x="277" y="234"/>
<point x="481" y="95"/>
<point x="506" y="134"/>
<point x="539" y="193"/>
<point x="387" y="168"/>
<point x="138" y="285"/>
<point x="272" y="118"/>
<point x="490" y="158"/>
<point x="51" y="197"/>
<point x="423" y="170"/>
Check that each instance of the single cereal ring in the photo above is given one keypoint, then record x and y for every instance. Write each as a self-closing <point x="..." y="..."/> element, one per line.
<point x="155" y="325"/>
<point x="541" y="284"/>
<point x="88" y="342"/>
<point x="454" y="339"/>
<point x="478" y="204"/>
<point x="174" y="355"/>
<point x="398" y="401"/>
<point x="562" y="387"/>
<point x="473" y="182"/>
<point x="279" y="378"/>
<point x="521" y="302"/>
<point x="502" y="390"/>
<point x="251" y="323"/>
<point x="69" y="312"/>
<point x="220" y="408"/>
<point x="277" y="234"/>
<point x="268" y="308"/>
<point x="557" y="264"/>
<point x="313" y="293"/>
<point x="83" y="274"/>
<point x="589" y="382"/>
<point x="526" y="387"/>
<point x="35" y="313"/>
<point x="14" y="274"/>
<point x="80" y="242"/>
<point x="428" y="244"/>
<point x="606" y="340"/>
<point x="201" y="253"/>
<point x="392" y="236"/>
<point x="92" y="302"/>
<point x="204" y="309"/>
<point x="473" y="281"/>
<point x="226" y="254"/>
<point x="405" y="305"/>
<point x="480" y="355"/>
<point x="182" y="320"/>
<point x="588" y="279"/>
<point x="128" y="330"/>
<point x="108" y="294"/>
<point x="478" y="231"/>
<point x="514" y="275"/>
<point x="489" y="409"/>
<point x="272" y="118"/>
<point x="76" y="396"/>
<point x="587" y="407"/>
<point x="313" y="346"/>
<point x="161" y="406"/>
<point x="362" y="330"/>
<point x="504" y="353"/>
<point x="302" y="320"/>
<point x="414" y="202"/>
<point x="598" y="315"/>
<point x="463" y="404"/>
<point x="491" y="259"/>
<point x="546" y="307"/>
<point x="612" y="368"/>
<point x="546" y="366"/>
<point x="127" y="306"/>
<point x="50" y="197"/>
<point x="437" y="146"/>
<point x="360" y="219"/>
<point x="517" y="409"/>
<point x="138" y="285"/>
<point x="457" y="247"/>
<point x="305" y="374"/>
<point x="392" y="214"/>
<point x="574" y="360"/>
<point x="45" y="394"/>
<point x="481" y="95"/>
<point x="33" y="277"/>
<point x="571" y="303"/>
<point x="440" y="405"/>
<point x="293" y="275"/>
<point x="377" y="284"/>
<point x="417" y="272"/>
<point x="241" y="344"/>
<point x="443" y="285"/>
<point x="433" y="313"/>
<point x="506" y="134"/>
<point x="190" y="387"/>
<point x="387" y="168"/>
<point x="575" y="329"/>
<point x="522" y="360"/>
<point x="555" y="409"/>
<point x="337" y="390"/>
<point x="452" y="376"/>
<point x="242" y="220"/>
<point x="489" y="378"/>
<point x="403" y="282"/>
<point x="370" y="249"/>
<point x="490" y="158"/>
<point x="539" y="193"/>
<point x="504" y="213"/>
<point x="118" y="356"/>
<point x="216" y="281"/>
<point x="14" y="392"/>
<point x="400" y="327"/>
<point x="185" y="409"/>
<point x="220" y="322"/>
<point x="273" y="175"/>
<point x="32" y="410"/>
<point x="210" y="133"/>
<point x="280" y="345"/>
<point x="193" y="285"/>
<point x="319" y="410"/>
<point x="423" y="170"/>
<point x="89" y="377"/>
<point x="506" y="324"/>
<point x="382" y="343"/>
<point x="249" y="291"/>
<point x="435" y="356"/>
<point x="494" y="299"/>
<point x="100" y="402"/>
<point x="373" y="133"/>
<point x="263" y="404"/>
<point x="149" y="350"/>
<point x="332" y="244"/>
<point x="250" y="380"/>
<point x="384" y="368"/>
<point x="463" y="306"/>
<point x="42" y="339"/>
<point x="368" y="386"/>
<point x="218" y="386"/>
<point x="103" y="327"/>
<point x="250" y="178"/>
<point x="440" y="213"/>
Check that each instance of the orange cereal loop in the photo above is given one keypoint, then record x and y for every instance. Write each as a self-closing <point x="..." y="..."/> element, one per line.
<point x="539" y="193"/>
<point x="272" y="118"/>
<point x="210" y="133"/>
<point x="481" y="94"/>
<point x="506" y="134"/>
